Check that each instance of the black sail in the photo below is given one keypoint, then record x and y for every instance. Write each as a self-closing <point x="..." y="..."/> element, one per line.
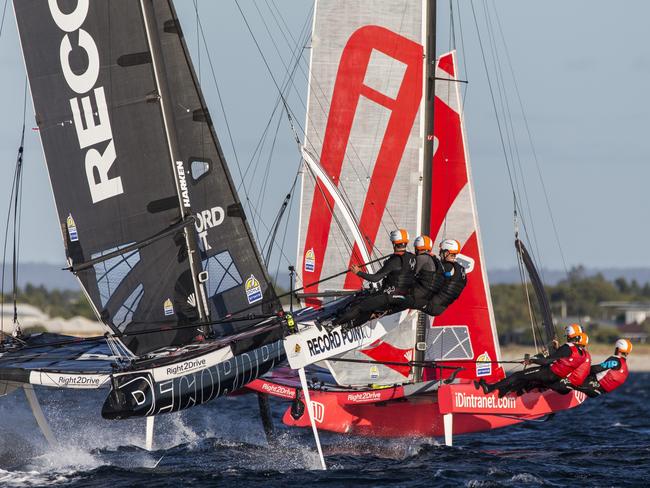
<point x="235" y="278"/>
<point x="121" y="168"/>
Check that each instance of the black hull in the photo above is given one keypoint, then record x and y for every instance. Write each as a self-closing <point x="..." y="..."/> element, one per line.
<point x="136" y="394"/>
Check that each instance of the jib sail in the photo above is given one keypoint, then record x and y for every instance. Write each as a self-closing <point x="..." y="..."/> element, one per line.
<point x="140" y="187"/>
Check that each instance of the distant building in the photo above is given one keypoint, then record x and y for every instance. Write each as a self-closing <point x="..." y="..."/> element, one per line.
<point x="628" y="317"/>
<point x="31" y="317"/>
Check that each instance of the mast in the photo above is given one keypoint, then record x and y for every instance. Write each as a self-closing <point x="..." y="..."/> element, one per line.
<point x="425" y="223"/>
<point x="174" y="153"/>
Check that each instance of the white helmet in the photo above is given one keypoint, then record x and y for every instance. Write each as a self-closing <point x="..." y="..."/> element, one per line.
<point x="624" y="346"/>
<point x="423" y="243"/>
<point x="399" y="236"/>
<point x="572" y="330"/>
<point x="450" y="245"/>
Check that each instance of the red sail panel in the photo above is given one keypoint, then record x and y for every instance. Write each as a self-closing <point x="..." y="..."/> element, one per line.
<point x="364" y="129"/>
<point x="454" y="216"/>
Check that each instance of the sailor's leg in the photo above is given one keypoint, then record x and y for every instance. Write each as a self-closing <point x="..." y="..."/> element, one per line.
<point x="365" y="306"/>
<point x="38" y="414"/>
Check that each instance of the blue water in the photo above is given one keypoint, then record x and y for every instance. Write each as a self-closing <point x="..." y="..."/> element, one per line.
<point x="606" y="442"/>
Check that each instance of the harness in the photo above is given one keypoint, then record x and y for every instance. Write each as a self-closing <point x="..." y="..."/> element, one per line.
<point x="613" y="378"/>
<point x="400" y="281"/>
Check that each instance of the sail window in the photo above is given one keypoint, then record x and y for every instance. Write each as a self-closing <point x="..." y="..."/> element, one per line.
<point x="451" y="342"/>
<point x="199" y="168"/>
<point x="222" y="273"/>
<point x="110" y="273"/>
<point x="124" y="315"/>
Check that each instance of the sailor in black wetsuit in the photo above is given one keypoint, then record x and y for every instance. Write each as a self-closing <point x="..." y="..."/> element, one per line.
<point x="610" y="374"/>
<point x="554" y="370"/>
<point x="455" y="279"/>
<point x="429" y="273"/>
<point x="397" y="278"/>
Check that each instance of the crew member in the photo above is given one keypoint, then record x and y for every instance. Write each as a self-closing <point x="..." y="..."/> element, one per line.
<point x="610" y="374"/>
<point x="397" y="276"/>
<point x="552" y="369"/>
<point x="455" y="279"/>
<point x="578" y="376"/>
<point x="429" y="273"/>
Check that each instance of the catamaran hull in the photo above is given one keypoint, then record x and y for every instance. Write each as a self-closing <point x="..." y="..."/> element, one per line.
<point x="139" y="394"/>
<point x="390" y="413"/>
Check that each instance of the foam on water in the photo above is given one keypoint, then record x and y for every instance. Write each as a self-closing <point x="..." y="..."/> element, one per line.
<point x="222" y="443"/>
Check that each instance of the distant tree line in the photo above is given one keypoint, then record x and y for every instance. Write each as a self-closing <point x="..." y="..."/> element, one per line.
<point x="577" y="296"/>
<point x="55" y="303"/>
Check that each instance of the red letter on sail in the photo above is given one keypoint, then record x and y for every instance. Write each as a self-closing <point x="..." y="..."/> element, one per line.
<point x="348" y="89"/>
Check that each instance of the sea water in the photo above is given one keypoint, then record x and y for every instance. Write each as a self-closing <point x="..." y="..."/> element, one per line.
<point x="606" y="442"/>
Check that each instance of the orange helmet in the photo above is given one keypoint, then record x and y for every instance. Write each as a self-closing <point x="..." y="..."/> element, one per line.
<point x="582" y="339"/>
<point x="573" y="330"/>
<point x="423" y="243"/>
<point x="399" y="236"/>
<point x="624" y="346"/>
<point x="450" y="245"/>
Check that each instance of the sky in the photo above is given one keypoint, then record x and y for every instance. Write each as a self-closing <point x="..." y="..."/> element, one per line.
<point x="582" y="71"/>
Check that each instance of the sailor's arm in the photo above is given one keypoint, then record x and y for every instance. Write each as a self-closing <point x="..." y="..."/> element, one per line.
<point x="611" y="362"/>
<point x="390" y="264"/>
<point x="563" y="352"/>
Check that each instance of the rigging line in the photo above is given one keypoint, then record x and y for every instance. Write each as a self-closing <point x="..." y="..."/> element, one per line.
<point x="261" y="193"/>
<point x="530" y="139"/>
<point x="289" y="76"/>
<point x="462" y="47"/>
<point x="4" y="12"/>
<point x="500" y="130"/>
<point x="286" y="225"/>
<point x="314" y="84"/>
<point x="515" y="156"/>
<point x="198" y="56"/>
<point x="223" y="110"/>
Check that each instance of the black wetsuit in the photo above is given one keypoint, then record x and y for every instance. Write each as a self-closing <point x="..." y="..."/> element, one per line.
<point x="397" y="277"/>
<point x="591" y="386"/>
<point x="429" y="279"/>
<point x="528" y="379"/>
<point x="455" y="281"/>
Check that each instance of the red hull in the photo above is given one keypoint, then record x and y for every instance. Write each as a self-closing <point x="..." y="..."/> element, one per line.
<point x="388" y="413"/>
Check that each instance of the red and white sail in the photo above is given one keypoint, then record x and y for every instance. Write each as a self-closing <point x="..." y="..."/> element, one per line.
<point x="454" y="216"/>
<point x="363" y="156"/>
<point x="364" y="135"/>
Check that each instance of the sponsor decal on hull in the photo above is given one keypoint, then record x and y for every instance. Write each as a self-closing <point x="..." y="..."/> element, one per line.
<point x="141" y="395"/>
<point x="467" y="400"/>
<point x="191" y="365"/>
<point x="364" y="397"/>
<point x="279" y="390"/>
<point x="60" y="380"/>
<point x="318" y="409"/>
<point x="312" y="345"/>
